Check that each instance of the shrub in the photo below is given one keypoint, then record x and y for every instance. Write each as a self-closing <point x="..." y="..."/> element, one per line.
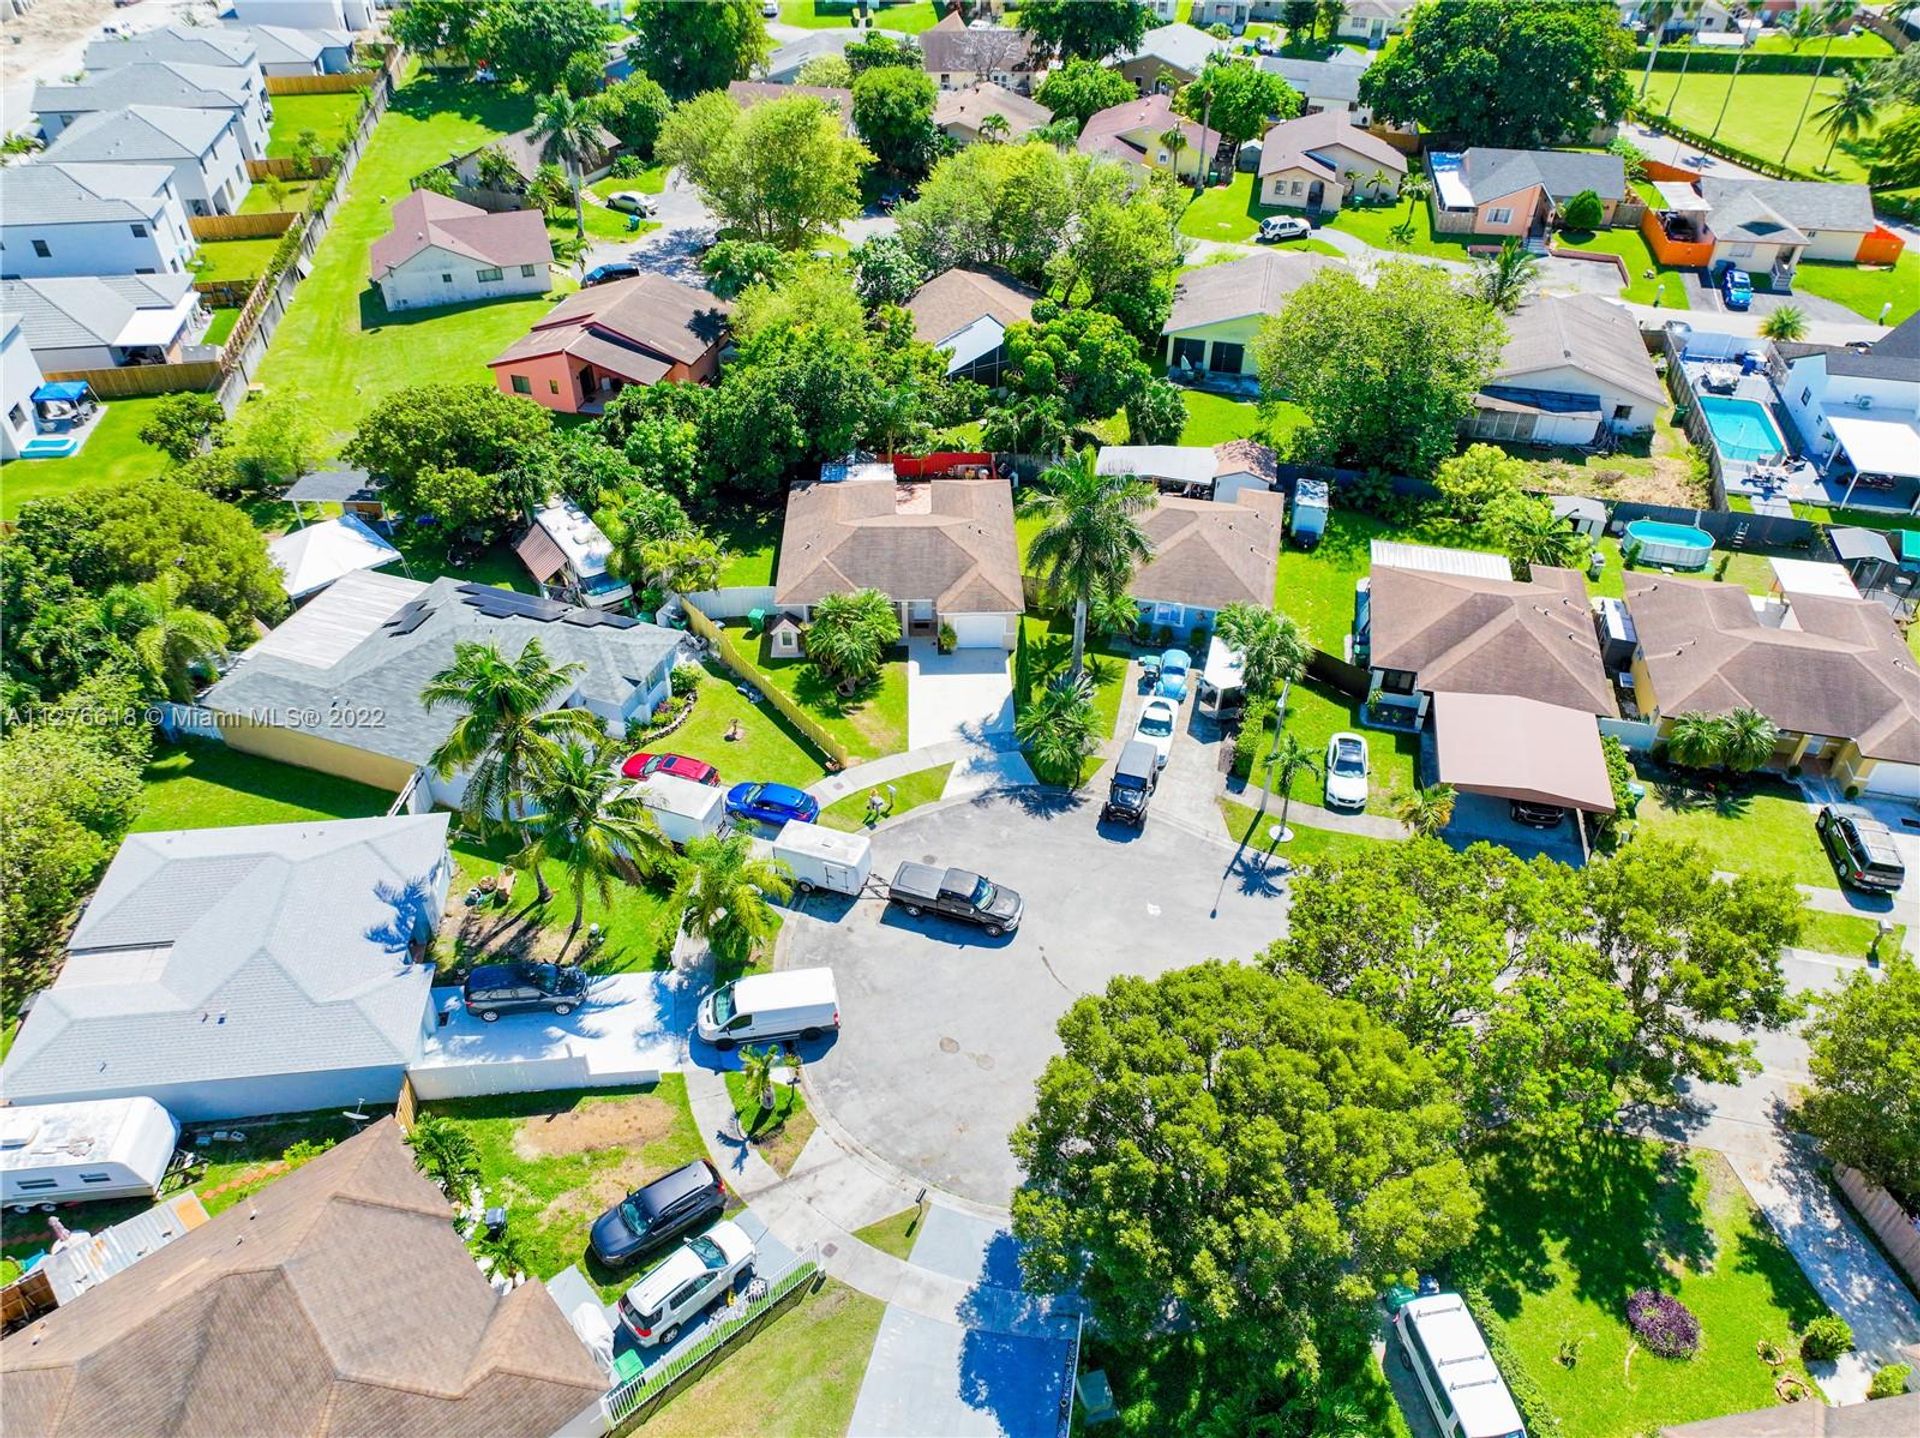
<point x="684" y="680"/>
<point x="1251" y="738"/>
<point x="1663" y="1324"/>
<point x="1890" y="1382"/>
<point x="1828" y="1336"/>
<point x="1583" y="212"/>
<point x="1528" y="1397"/>
<point x="628" y="167"/>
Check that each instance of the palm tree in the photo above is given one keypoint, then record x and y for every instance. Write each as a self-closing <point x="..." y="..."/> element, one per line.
<point x="568" y="130"/>
<point x="1748" y="740"/>
<point x="1739" y="14"/>
<point x="1696" y="740"/>
<point x="721" y="895"/>
<point x="1272" y="649"/>
<point x="1112" y="612"/>
<point x="1684" y="8"/>
<point x="1090" y="536"/>
<point x="510" y="726"/>
<point x="1505" y="278"/>
<point x="1786" y="323"/>
<point x="1059" y="727"/>
<point x="994" y="129"/>
<point x="759" y="1071"/>
<point x="587" y="825"/>
<point x="1808" y="21"/>
<point x="1851" y="110"/>
<point x="1414" y="190"/>
<point x="681" y="563"/>
<point x="445" y="1152"/>
<point x="1426" y="811"/>
<point x="1176" y="142"/>
<point x="1287" y="758"/>
<point x="170" y="639"/>
<point x="1658" y="14"/>
<point x="1376" y="182"/>
<point x="1533" y="534"/>
<point x="850" y="634"/>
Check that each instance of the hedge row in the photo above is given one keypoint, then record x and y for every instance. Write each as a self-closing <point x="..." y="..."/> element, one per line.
<point x="1666" y="124"/>
<point x="1535" y="1411"/>
<point x="1717" y="61"/>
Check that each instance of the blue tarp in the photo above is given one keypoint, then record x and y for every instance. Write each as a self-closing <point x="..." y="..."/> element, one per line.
<point x="72" y="390"/>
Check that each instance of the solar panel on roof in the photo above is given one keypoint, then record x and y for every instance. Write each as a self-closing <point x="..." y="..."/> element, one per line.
<point x="410" y="617"/>
<point x="593" y="618"/>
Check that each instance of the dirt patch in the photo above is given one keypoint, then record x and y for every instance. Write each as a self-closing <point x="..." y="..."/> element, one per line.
<point x="605" y="1189"/>
<point x="628" y="1123"/>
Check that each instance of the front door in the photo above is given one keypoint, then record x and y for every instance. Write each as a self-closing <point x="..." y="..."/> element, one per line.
<point x="1226" y="358"/>
<point x="1316" y="195"/>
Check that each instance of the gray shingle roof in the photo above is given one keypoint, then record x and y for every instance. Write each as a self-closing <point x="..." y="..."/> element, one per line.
<point x="183" y="44"/>
<point x="386" y="670"/>
<point x="1584" y="332"/>
<point x="1490" y="173"/>
<point x="160" y="82"/>
<point x="212" y="954"/>
<point x="139" y="132"/>
<point x="283" y="44"/>
<point x="1182" y="46"/>
<point x="87" y="310"/>
<point x="1317" y="79"/>
<point x="1257" y="285"/>
<point x="1806" y="204"/>
<point x="56" y="194"/>
<point x="1744" y="215"/>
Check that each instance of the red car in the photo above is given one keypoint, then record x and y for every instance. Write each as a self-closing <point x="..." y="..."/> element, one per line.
<point x="645" y="766"/>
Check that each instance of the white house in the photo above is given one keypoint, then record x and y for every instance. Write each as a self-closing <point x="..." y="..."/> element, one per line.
<point x="308" y="14"/>
<point x="1329" y="84"/>
<point x="443" y="252"/>
<point x="1217" y="309"/>
<point x="91" y="220"/>
<point x="1858" y="414"/>
<point x="1318" y="161"/>
<point x="1373" y="20"/>
<point x="75" y="322"/>
<point x="1572" y="366"/>
<point x="181" y="44"/>
<point x="281" y="50"/>
<point x="202" y="146"/>
<point x="163" y="82"/>
<point x="19" y="378"/>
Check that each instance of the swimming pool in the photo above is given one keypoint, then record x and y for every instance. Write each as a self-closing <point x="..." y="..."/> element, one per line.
<point x="1742" y="429"/>
<point x="1679" y="546"/>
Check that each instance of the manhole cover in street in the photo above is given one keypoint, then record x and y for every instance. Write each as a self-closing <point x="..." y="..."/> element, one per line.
<point x="949" y="1046"/>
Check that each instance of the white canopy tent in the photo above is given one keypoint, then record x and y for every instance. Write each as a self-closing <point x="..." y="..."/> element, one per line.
<point x="1878" y="444"/>
<point x="314" y="557"/>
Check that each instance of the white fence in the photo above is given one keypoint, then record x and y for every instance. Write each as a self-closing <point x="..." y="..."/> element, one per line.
<point x="735" y="602"/>
<point x="188" y="721"/>
<point x="486" y="1078"/>
<point x="1637" y="735"/>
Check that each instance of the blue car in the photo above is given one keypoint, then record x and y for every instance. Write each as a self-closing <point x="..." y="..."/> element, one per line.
<point x="1174" y="665"/>
<point x="772" y="803"/>
<point x="608" y="273"/>
<point x="1736" y="288"/>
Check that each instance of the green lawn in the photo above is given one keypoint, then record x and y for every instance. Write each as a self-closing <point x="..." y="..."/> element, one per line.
<point x="1246" y="825"/>
<point x="209" y="786"/>
<point x="1866" y="291"/>
<point x="1566" y="1238"/>
<point x="556" y="1161"/>
<point x="800" y="1374"/>
<point x="636" y="920"/>
<point x="910" y="791"/>
<point x="293" y="198"/>
<point x="222" y="326"/>
<point x="650" y="181"/>
<point x="331" y="117"/>
<point x="871" y="723"/>
<point x="603" y="223"/>
<point x="908" y="19"/>
<point x="1226" y="212"/>
<point x="1046" y="647"/>
<point x="1849" y="935"/>
<point x="752" y="543"/>
<point x="1761" y="117"/>
<point x="338" y="344"/>
<point x="769" y="751"/>
<point x="1747" y="568"/>
<point x="1864" y="44"/>
<point x="1373" y="224"/>
<point x="1761" y="827"/>
<point x="1315" y="713"/>
<point x="894" y="1234"/>
<point x="777" y="1134"/>
<point x="234" y="259"/>
<point x="113" y="452"/>
<point x="1215" y="419"/>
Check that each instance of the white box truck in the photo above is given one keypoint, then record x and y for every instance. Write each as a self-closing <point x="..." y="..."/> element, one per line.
<point x="761" y="1008"/>
<point x="823" y="858"/>
<point x="99" y="1148"/>
<point x="683" y="809"/>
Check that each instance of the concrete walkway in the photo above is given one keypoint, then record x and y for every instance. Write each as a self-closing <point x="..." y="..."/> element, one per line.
<point x="1747" y="325"/>
<point x="1313" y="816"/>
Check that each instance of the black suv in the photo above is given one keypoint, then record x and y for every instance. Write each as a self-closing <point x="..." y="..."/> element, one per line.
<point x="685" y="1199"/>
<point x="1862" y="849"/>
<point x="496" y="989"/>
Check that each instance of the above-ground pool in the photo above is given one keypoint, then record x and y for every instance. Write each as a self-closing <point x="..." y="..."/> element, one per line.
<point x="1679" y="546"/>
<point x="1742" y="429"/>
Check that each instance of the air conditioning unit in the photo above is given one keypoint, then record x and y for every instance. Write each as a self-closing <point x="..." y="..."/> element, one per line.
<point x="1863" y="401"/>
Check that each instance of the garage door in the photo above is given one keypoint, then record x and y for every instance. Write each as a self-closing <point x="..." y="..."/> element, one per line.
<point x="1896" y="781"/>
<point x="979" y="631"/>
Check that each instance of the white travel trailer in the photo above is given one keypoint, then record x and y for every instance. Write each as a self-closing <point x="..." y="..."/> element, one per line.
<point x="823" y="858"/>
<point x="103" y="1148"/>
<point x="683" y="809"/>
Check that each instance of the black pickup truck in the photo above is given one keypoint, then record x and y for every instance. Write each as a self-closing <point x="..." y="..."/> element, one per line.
<point x="958" y="894"/>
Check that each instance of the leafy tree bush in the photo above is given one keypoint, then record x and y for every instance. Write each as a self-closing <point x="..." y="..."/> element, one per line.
<point x="1663" y="1324"/>
<point x="850" y="634"/>
<point x="1890" y="1381"/>
<point x="441" y="426"/>
<point x="1059" y="728"/>
<point x="1083" y="356"/>
<point x="1237" y="99"/>
<point x="180" y="424"/>
<point x="829" y="72"/>
<point x="1475" y="482"/>
<point x="660" y="429"/>
<point x="1865" y="1038"/>
<point x="893" y="112"/>
<point x="1081" y="88"/>
<point x="885" y="272"/>
<point x="1583" y="212"/>
<point x="633" y="112"/>
<point x="1004" y="205"/>
<point x="446" y="1153"/>
<point x="689" y="49"/>
<point x="1156" y="414"/>
<point x="781" y="172"/>
<point x="1826" y="1338"/>
<point x="1087" y="29"/>
<point x="534" y="41"/>
<point x="881" y="51"/>
<point x="733" y="265"/>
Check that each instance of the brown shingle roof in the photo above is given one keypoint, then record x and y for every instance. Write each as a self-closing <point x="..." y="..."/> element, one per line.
<point x="969" y="106"/>
<point x="1106" y="131"/>
<point x="1292" y="142"/>
<point x="1836" y="667"/>
<point x="337" y="1301"/>
<point x="1461" y="633"/>
<point x="638" y="328"/>
<point x="953" y="46"/>
<point x="948" y="540"/>
<point x="748" y="93"/>
<point x="1257" y="285"/>
<point x="954" y="299"/>
<point x="424" y="220"/>
<point x="1207" y="555"/>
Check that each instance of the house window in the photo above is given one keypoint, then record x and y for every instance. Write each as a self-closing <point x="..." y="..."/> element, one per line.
<point x="446" y="279"/>
<point x="40" y="249"/>
<point x="487" y="276"/>
<point x="522" y="385"/>
<point x="529" y="271"/>
<point x="553" y="386"/>
<point x="1163" y="157"/>
<point x="1227" y="358"/>
<point x="1192" y="353"/>
<point x="1503" y="215"/>
<point x="17" y="416"/>
<point x="1622" y="413"/>
<point x="1806" y="395"/>
<point x="1296" y="187"/>
<point x="139" y="231"/>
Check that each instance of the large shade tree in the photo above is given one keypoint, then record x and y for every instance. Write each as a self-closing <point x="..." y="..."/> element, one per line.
<point x="1865" y="1103"/>
<point x="690" y="49"/>
<point x="783" y="171"/>
<point x="1087" y="29"/>
<point x="1090" y="536"/>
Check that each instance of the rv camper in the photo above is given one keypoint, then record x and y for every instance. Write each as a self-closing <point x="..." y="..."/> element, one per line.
<point x="67" y="1152"/>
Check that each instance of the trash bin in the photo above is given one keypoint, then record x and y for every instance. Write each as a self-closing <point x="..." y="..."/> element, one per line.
<point x="756" y="620"/>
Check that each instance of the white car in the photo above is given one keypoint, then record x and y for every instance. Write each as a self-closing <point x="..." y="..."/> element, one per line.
<point x="1347" y="771"/>
<point x="770" y="9"/>
<point x="1284" y="227"/>
<point x="1157" y="718"/>
<point x="700" y="1270"/>
<point x="630" y="202"/>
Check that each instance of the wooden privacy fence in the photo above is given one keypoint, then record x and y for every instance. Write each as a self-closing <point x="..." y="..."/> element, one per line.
<point x="286" y="167"/>
<point x="240" y="227"/>
<point x="1885" y="1217"/>
<point x="322" y="84"/>
<point x="144" y="379"/>
<point x="747" y="671"/>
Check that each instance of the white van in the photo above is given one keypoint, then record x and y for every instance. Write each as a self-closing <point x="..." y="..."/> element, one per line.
<point x="98" y="1148"/>
<point x="1448" y="1353"/>
<point x="823" y="858"/>
<point x="696" y="1273"/>
<point x="795" y="1003"/>
<point x="683" y="809"/>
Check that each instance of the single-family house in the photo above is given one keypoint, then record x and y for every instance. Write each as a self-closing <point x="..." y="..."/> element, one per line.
<point x="60" y="219"/>
<point x="1135" y="133"/>
<point x="1508" y="747"/>
<point x="1883" y="1418"/>
<point x="20" y="376"/>
<point x="236" y="89"/>
<point x="1371" y="21"/>
<point x="748" y="93"/>
<point x="1434" y="621"/>
<point x="567" y="554"/>
<point x="1857" y="413"/>
<point x="1168" y="57"/>
<point x="957" y="55"/>
<point x="1320" y="161"/>
<point x="784" y="65"/>
<point x="1832" y="673"/>
<point x="202" y="147"/>
<point x="75" y="322"/>
<point x="443" y="252"/>
<point x="336" y="687"/>
<point x="1207" y="554"/>
<point x="967" y="313"/>
<point x="1196" y="471"/>
<point x="593" y="344"/>
<point x="283" y="50"/>
<point x="1217" y="309"/>
<point x="308" y="14"/>
<point x="1490" y="191"/>
<point x="275" y="968"/>
<point x="208" y="45"/>
<point x="527" y="152"/>
<point x="960" y="114"/>
<point x="312" y="556"/>
<point x="1329" y="84"/>
<point x="1573" y="366"/>
<point x="942" y="549"/>
<point x="1769" y="226"/>
<point x="339" y="1299"/>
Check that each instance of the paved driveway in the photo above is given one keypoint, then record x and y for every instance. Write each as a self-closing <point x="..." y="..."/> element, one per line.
<point x="962" y="695"/>
<point x="943" y="1031"/>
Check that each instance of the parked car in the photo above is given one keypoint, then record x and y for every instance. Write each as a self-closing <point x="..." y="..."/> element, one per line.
<point x="772" y="803"/>
<point x="631" y="202"/>
<point x="1347" y="770"/>
<point x="770" y="9"/>
<point x="958" y="894"/>
<point x="703" y="1268"/>
<point x="1736" y="288"/>
<point x="1535" y="816"/>
<point x="608" y="273"/>
<point x="495" y="989"/>
<point x="1174" y="665"/>
<point x="1135" y="776"/>
<point x="680" y="766"/>
<point x="1862" y="849"/>
<point x="792" y="1004"/>
<point x="1157" y="720"/>
<point x="1284" y="227"/>
<point x="673" y="1204"/>
<point x="1462" y="1384"/>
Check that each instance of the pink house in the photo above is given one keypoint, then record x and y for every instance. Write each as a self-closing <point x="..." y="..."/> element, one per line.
<point x="593" y="344"/>
<point x="1488" y="191"/>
